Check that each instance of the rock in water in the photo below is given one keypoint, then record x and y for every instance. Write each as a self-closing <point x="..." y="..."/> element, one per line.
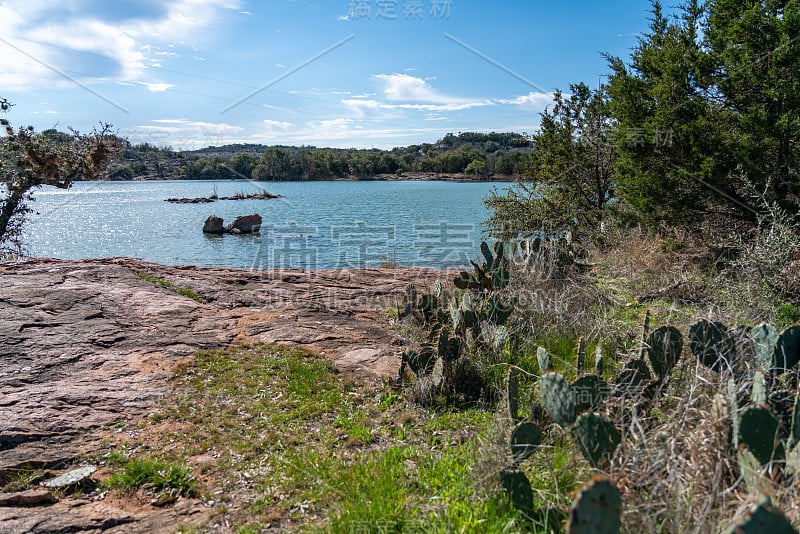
<point x="213" y="225"/>
<point x="247" y="224"/>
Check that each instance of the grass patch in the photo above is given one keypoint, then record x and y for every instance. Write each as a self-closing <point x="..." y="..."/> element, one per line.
<point x="166" y="284"/>
<point x="157" y="475"/>
<point x="19" y="479"/>
<point x="289" y="444"/>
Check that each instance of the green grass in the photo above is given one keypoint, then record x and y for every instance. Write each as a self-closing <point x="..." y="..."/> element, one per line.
<point x="298" y="447"/>
<point x="166" y="284"/>
<point x="12" y="480"/>
<point x="157" y="475"/>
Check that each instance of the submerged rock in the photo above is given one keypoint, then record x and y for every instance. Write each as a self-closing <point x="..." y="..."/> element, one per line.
<point x="247" y="224"/>
<point x="214" y="225"/>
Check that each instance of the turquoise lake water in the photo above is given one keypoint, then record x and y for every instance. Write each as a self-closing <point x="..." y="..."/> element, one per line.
<point x="316" y="225"/>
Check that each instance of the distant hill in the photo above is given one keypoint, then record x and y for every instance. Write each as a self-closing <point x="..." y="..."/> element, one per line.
<point x="467" y="155"/>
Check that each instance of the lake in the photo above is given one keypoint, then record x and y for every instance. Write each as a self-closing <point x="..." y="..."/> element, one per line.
<point x="315" y="225"/>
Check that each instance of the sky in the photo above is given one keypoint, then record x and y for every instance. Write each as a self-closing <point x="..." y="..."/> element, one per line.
<point x="338" y="73"/>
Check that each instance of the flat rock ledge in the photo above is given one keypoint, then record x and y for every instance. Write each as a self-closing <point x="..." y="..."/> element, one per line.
<point x="86" y="344"/>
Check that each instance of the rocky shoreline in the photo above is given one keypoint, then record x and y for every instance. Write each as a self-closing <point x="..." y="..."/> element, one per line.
<point x="86" y="344"/>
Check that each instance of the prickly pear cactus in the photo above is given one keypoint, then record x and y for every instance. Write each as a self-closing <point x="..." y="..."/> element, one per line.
<point x="448" y="347"/>
<point x="750" y="470"/>
<point x="411" y="300"/>
<point x="794" y="429"/>
<point x="759" y="393"/>
<point x="512" y="392"/>
<point x="497" y="311"/>
<point x="597" y="510"/>
<point x="630" y="379"/>
<point x="786" y="350"/>
<point x="665" y="345"/>
<point x="598" y="361"/>
<point x="487" y="254"/>
<point x="760" y="431"/>
<point x="581" y="359"/>
<point x="645" y="330"/>
<point x="734" y="411"/>
<point x="765" y="338"/>
<point x="543" y="357"/>
<point x="712" y="344"/>
<point x="763" y="518"/>
<point x="525" y="438"/>
<point x="518" y="489"/>
<point x="597" y="438"/>
<point x="437" y="373"/>
<point x="590" y="393"/>
<point x="500" y="278"/>
<point x="782" y="404"/>
<point x="420" y="362"/>
<point x="557" y="398"/>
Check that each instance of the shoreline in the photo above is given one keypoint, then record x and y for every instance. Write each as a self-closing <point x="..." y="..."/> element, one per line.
<point x="115" y="260"/>
<point x="405" y="177"/>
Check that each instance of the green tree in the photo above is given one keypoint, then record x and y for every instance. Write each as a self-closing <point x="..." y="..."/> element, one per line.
<point x="570" y="179"/>
<point x="755" y="53"/>
<point x="707" y="112"/>
<point x="29" y="160"/>
<point x="476" y="167"/>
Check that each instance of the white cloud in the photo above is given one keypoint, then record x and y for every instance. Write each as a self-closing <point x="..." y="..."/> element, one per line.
<point x="277" y="125"/>
<point x="359" y="103"/>
<point x="342" y="132"/>
<point x="72" y="24"/>
<point x="407" y="88"/>
<point x="158" y="87"/>
<point x="405" y="92"/>
<point x="183" y="134"/>
<point x="531" y="100"/>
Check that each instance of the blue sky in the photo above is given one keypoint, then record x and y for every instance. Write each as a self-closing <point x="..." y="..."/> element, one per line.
<point x="340" y="73"/>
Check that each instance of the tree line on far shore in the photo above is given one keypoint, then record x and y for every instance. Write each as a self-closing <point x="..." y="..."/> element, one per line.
<point x="474" y="155"/>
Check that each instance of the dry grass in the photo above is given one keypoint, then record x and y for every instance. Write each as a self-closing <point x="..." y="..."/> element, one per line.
<point x="676" y="467"/>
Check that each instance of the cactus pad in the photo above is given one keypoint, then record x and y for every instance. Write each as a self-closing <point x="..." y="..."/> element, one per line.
<point x="598" y="361"/>
<point x="518" y="489"/>
<point x="786" y="349"/>
<point x="760" y="432"/>
<point x="765" y="338"/>
<point x="763" y="518"/>
<point x="590" y="393"/>
<point x="525" y="438"/>
<point x="512" y="392"/>
<point x="712" y="344"/>
<point x="665" y="345"/>
<point x="597" y="510"/>
<point x="543" y="357"/>
<point x="596" y="437"/>
<point x="557" y="398"/>
<point x="581" y="359"/>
